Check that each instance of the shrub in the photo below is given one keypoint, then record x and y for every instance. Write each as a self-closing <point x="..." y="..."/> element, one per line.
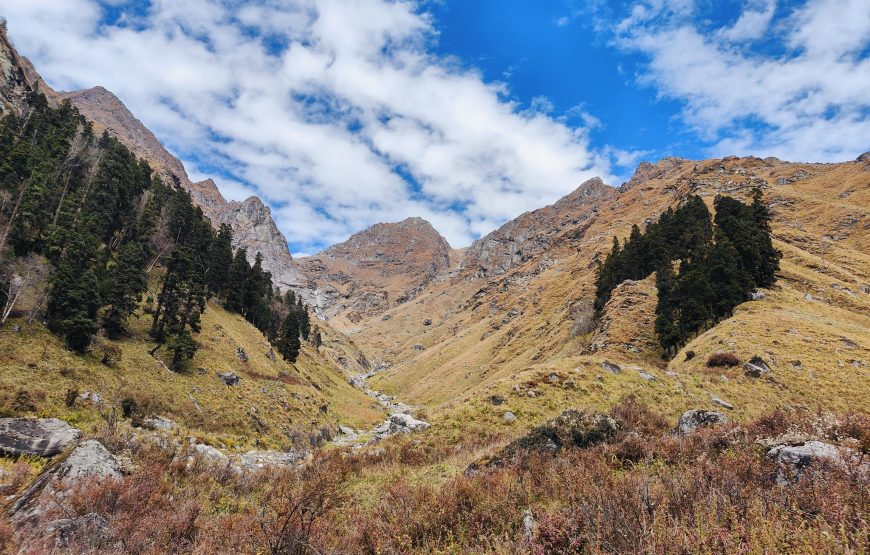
<point x="111" y="354"/>
<point x="71" y="396"/>
<point x="722" y="359"/>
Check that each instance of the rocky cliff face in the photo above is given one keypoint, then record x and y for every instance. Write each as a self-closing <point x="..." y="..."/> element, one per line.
<point x="252" y="223"/>
<point x="13" y="84"/>
<point x="384" y="265"/>
<point x="533" y="232"/>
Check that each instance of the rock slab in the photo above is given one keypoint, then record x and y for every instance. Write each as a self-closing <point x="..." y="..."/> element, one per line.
<point x="43" y="437"/>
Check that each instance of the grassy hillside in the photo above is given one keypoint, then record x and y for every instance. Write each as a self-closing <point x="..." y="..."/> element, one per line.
<point x="276" y="404"/>
<point x="522" y="336"/>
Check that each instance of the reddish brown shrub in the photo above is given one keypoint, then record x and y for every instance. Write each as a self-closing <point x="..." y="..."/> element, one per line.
<point x="722" y="359"/>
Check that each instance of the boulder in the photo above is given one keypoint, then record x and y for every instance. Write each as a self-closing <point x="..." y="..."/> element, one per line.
<point x="496" y="400"/>
<point x="758" y="295"/>
<point x="228" y="378"/>
<point x="209" y="453"/>
<point x="427" y="322"/>
<point x="611" y="367"/>
<point x="692" y="420"/>
<point x="253" y="460"/>
<point x="793" y="460"/>
<point x="399" y="423"/>
<point x="157" y="423"/>
<point x="90" y="530"/>
<point x="88" y="460"/>
<point x="243" y="356"/>
<point x="509" y="417"/>
<point x="572" y="428"/>
<point x="43" y="437"/>
<point x="756" y="367"/>
<point x="721" y="403"/>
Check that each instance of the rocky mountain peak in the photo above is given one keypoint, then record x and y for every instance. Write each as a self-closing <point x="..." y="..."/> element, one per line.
<point x="385" y="264"/>
<point x="532" y="233"/>
<point x="646" y="171"/>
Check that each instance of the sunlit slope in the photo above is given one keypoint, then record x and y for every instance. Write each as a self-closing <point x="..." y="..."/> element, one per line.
<point x="275" y="404"/>
<point x="506" y="336"/>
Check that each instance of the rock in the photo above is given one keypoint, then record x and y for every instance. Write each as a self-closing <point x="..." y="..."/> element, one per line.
<point x="210" y="453"/>
<point x="529" y="523"/>
<point x="95" y="398"/>
<point x="496" y="400"/>
<point x="864" y="158"/>
<point x="88" y="460"/>
<point x="427" y="322"/>
<point x="228" y="378"/>
<point x="90" y="531"/>
<point x="399" y="423"/>
<point x="611" y="367"/>
<point x="808" y="297"/>
<point x="253" y="460"/>
<point x="346" y="430"/>
<point x="419" y="347"/>
<point x="270" y="354"/>
<point x="793" y="460"/>
<point x="721" y="403"/>
<point x="758" y="295"/>
<point x="756" y="367"/>
<point x="692" y="420"/>
<point x="243" y="356"/>
<point x="157" y="423"/>
<point x="534" y="232"/>
<point x="509" y="417"/>
<point x="43" y="437"/>
<point x="571" y="429"/>
<point x="690" y="355"/>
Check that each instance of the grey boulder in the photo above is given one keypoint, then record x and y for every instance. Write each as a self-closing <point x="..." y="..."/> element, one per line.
<point x="695" y="419"/>
<point x="43" y="437"/>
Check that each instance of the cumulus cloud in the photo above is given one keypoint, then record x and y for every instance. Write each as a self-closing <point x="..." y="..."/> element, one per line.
<point x="801" y="94"/>
<point x="335" y="112"/>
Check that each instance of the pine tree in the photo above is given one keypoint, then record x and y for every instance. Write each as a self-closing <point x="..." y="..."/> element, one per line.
<point x="237" y="283"/>
<point x="666" y="319"/>
<point x="74" y="297"/>
<point x="220" y="258"/>
<point x="289" y="344"/>
<point x="126" y="284"/>
<point x="304" y="321"/>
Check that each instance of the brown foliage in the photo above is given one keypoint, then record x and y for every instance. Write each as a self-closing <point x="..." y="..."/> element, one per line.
<point x="722" y="359"/>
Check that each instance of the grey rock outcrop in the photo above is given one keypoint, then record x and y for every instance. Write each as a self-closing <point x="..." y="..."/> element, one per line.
<point x="43" y="437"/>
<point x="399" y="423"/>
<point x="530" y="234"/>
<point x="157" y="423"/>
<point x="611" y="367"/>
<point x="793" y="460"/>
<point x="228" y="378"/>
<point x="695" y="419"/>
<point x="756" y="367"/>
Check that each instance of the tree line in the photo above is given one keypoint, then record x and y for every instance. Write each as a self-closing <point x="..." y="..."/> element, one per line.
<point x="103" y="221"/>
<point x="704" y="266"/>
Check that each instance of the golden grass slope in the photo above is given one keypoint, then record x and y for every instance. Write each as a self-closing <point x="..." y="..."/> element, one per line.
<point x="275" y="405"/>
<point x="511" y="336"/>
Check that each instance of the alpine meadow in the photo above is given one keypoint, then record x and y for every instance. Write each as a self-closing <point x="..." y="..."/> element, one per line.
<point x="433" y="299"/>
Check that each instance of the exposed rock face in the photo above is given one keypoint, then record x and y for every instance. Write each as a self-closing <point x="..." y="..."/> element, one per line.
<point x="13" y="84"/>
<point x="43" y="437"/>
<point x="399" y="423"/>
<point x="379" y="267"/>
<point x="646" y="171"/>
<point x="534" y="232"/>
<point x="692" y="420"/>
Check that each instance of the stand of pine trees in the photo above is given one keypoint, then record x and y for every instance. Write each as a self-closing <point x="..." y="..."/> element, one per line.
<point x="702" y="270"/>
<point x="103" y="221"/>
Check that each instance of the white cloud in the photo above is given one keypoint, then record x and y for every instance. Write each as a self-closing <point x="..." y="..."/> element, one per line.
<point x="319" y="125"/>
<point x="804" y="99"/>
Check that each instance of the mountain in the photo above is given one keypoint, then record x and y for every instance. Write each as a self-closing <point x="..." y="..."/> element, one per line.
<point x="379" y="267"/>
<point x="251" y="220"/>
<point x="530" y="234"/>
<point x="528" y="335"/>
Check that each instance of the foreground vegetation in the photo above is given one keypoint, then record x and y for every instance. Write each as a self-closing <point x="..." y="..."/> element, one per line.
<point x="644" y="490"/>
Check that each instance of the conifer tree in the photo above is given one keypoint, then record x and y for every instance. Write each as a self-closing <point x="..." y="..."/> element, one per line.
<point x="220" y="258"/>
<point x="666" y="324"/>
<point x="289" y="344"/>
<point x="126" y="283"/>
<point x="237" y="282"/>
<point x="74" y="297"/>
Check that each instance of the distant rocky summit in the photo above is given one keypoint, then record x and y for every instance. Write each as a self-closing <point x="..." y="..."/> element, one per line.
<point x="384" y="265"/>
<point x="534" y="232"/>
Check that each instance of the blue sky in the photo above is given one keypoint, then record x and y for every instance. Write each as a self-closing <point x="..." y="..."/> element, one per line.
<point x="343" y="113"/>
